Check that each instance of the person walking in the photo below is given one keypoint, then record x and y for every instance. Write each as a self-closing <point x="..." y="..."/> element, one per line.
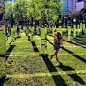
<point x="57" y="42"/>
<point x="17" y="30"/>
<point x="6" y="26"/>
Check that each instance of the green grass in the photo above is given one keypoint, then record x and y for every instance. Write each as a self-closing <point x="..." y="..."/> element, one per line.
<point x="25" y="67"/>
<point x="2" y="53"/>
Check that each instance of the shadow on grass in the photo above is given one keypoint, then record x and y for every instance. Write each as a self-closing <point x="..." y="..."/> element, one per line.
<point x="80" y="41"/>
<point x="34" y="46"/>
<point x="59" y="81"/>
<point x="29" y="38"/>
<point x="2" y="81"/>
<point x="2" y="55"/>
<point x="76" y="44"/>
<point x="77" y="56"/>
<point x="9" y="51"/>
<point x="75" y="77"/>
<point x="50" y="42"/>
<point x="14" y="39"/>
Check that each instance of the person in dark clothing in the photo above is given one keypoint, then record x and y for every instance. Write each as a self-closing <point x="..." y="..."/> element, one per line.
<point x="17" y="30"/>
<point x="6" y="30"/>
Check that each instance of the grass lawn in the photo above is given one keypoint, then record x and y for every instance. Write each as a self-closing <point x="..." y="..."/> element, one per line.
<point x="26" y="67"/>
<point x="2" y="53"/>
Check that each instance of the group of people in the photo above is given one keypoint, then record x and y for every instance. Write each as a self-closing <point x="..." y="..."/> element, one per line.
<point x="57" y="37"/>
<point x="8" y="30"/>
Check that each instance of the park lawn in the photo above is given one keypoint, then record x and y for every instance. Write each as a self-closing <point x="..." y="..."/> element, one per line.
<point x="26" y="67"/>
<point x="2" y="53"/>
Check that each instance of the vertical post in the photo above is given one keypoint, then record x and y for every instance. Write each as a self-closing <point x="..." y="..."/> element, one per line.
<point x="83" y="29"/>
<point x="31" y="21"/>
<point x="78" y="27"/>
<point x="69" y="28"/>
<point x="43" y="35"/>
<point x="42" y="40"/>
<point x="32" y="31"/>
<point x="53" y="31"/>
<point x="45" y="40"/>
<point x="60" y="24"/>
<point x="74" y="20"/>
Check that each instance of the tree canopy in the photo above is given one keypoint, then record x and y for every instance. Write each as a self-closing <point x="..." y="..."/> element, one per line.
<point x="23" y="9"/>
<point x="2" y="7"/>
<point x="8" y="9"/>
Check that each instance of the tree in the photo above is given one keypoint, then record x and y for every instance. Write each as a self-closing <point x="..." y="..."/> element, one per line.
<point x="52" y="9"/>
<point x="76" y="14"/>
<point x="23" y="9"/>
<point x="83" y="10"/>
<point x="20" y="9"/>
<point x="8" y="9"/>
<point x="2" y="7"/>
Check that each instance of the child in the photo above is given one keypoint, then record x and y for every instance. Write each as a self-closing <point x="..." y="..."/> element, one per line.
<point x="57" y="42"/>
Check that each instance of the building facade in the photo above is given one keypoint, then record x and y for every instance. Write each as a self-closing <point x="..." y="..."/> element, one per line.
<point x="68" y="6"/>
<point x="11" y="0"/>
<point x="8" y="0"/>
<point x="71" y="5"/>
<point x="80" y="5"/>
<point x="65" y="7"/>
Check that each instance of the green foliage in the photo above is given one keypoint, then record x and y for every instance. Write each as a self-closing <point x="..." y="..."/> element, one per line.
<point x="52" y="9"/>
<point x="23" y="9"/>
<point x="2" y="7"/>
<point x="8" y="9"/>
<point x="76" y="14"/>
<point x="20" y="9"/>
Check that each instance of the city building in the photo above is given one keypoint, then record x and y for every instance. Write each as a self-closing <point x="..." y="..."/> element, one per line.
<point x="71" y="5"/>
<point x="65" y="7"/>
<point x="11" y="0"/>
<point x="68" y="6"/>
<point x="80" y="4"/>
<point x="8" y="0"/>
<point x="80" y="0"/>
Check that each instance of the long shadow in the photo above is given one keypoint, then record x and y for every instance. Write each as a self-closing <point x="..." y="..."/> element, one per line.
<point x="34" y="46"/>
<point x="80" y="36"/>
<point x="14" y="39"/>
<point x="79" y="41"/>
<point x="59" y="81"/>
<point x="29" y="38"/>
<point x="75" y="77"/>
<point x="77" y="56"/>
<point x="76" y="44"/>
<point x="9" y="51"/>
<point x="2" y="55"/>
<point x="49" y="41"/>
<point x="2" y="81"/>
